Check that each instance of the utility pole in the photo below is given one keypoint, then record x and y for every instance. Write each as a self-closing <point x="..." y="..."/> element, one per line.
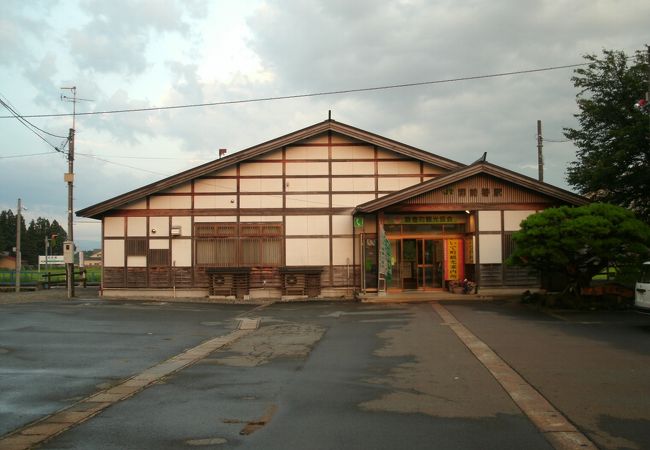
<point x="19" y="262"/>
<point x="69" y="178"/>
<point x="540" y="156"/>
<point x="47" y="245"/>
<point x="647" y="93"/>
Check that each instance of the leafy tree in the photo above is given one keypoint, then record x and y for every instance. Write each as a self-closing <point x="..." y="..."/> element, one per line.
<point x="61" y="235"/>
<point x="8" y="231"/>
<point x="581" y="242"/>
<point x="37" y="232"/>
<point x="32" y="240"/>
<point x="6" y="220"/>
<point x="613" y="137"/>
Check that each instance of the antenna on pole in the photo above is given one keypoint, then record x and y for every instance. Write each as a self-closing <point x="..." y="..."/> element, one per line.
<point x="73" y="100"/>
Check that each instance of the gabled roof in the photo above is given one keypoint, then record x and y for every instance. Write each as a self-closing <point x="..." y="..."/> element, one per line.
<point x="477" y="168"/>
<point x="97" y="210"/>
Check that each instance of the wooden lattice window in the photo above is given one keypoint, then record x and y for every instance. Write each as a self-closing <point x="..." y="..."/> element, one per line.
<point x="261" y="252"/>
<point x="215" y="229"/>
<point x="158" y="257"/>
<point x="256" y="244"/>
<point x="136" y="247"/>
<point x="272" y="230"/>
<point x="248" y="229"/>
<point x="219" y="252"/>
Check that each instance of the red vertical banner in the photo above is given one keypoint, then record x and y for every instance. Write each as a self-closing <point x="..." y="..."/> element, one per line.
<point x="454" y="262"/>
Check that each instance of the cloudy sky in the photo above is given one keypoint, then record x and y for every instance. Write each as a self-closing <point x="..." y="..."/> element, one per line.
<point x="123" y="54"/>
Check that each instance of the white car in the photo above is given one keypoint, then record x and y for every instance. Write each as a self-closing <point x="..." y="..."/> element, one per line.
<point x="642" y="289"/>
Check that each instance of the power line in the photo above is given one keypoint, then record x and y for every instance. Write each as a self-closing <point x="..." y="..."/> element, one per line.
<point x="24" y="156"/>
<point x="15" y="113"/>
<point x="27" y="124"/>
<point x="146" y="157"/>
<point x="119" y="164"/>
<point x="313" y="94"/>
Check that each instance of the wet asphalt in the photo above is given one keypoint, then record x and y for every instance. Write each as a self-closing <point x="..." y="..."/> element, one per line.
<point x="322" y="375"/>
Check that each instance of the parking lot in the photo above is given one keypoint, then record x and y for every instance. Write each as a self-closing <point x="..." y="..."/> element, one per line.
<point x="315" y="375"/>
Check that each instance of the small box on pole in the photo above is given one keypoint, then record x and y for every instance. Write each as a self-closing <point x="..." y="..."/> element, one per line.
<point x="68" y="252"/>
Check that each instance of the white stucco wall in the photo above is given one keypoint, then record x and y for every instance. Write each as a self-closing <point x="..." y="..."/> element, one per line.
<point x="114" y="226"/>
<point x="113" y="252"/>
<point x="512" y="219"/>
<point x="182" y="252"/>
<point x="136" y="226"/>
<point x="490" y="251"/>
<point x="307" y="225"/>
<point x="307" y="252"/>
<point x="489" y="220"/>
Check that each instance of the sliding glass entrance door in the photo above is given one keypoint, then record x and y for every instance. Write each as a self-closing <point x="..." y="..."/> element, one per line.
<point x="418" y="264"/>
<point x="429" y="259"/>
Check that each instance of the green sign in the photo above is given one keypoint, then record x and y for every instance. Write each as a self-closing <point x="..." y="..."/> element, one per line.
<point x="358" y="222"/>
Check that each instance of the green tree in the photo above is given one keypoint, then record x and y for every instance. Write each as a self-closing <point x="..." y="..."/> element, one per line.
<point x="7" y="222"/>
<point x="61" y="235"/>
<point x="581" y="242"/>
<point x="613" y="137"/>
<point x="8" y="231"/>
<point x="37" y="232"/>
<point x="32" y="239"/>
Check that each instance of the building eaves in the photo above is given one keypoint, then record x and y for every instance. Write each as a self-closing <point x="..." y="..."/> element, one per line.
<point x="96" y="211"/>
<point x="479" y="167"/>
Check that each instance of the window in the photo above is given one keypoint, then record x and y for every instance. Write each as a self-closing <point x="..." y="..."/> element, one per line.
<point x="215" y="229"/>
<point x="261" y="251"/>
<point x="485" y="192"/>
<point x="448" y="191"/>
<point x="216" y="252"/>
<point x="498" y="192"/>
<point x="136" y="247"/>
<point x="237" y="245"/>
<point x="473" y="192"/>
<point x="462" y="192"/>
<point x="158" y="257"/>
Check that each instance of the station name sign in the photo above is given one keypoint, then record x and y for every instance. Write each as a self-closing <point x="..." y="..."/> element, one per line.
<point x="51" y="259"/>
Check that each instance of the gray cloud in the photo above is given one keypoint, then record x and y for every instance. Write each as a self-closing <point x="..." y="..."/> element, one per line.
<point x="22" y="24"/>
<point x="118" y="34"/>
<point x="41" y="75"/>
<point x="313" y="46"/>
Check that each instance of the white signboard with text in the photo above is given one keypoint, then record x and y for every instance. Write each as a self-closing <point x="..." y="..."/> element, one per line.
<point x="52" y="260"/>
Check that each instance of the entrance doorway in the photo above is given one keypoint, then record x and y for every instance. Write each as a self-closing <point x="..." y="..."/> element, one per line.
<point x="417" y="263"/>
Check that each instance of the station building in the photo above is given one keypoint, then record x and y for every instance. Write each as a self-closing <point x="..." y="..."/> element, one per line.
<point x="327" y="211"/>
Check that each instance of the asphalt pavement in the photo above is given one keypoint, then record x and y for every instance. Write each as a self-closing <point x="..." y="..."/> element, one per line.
<point x="320" y="375"/>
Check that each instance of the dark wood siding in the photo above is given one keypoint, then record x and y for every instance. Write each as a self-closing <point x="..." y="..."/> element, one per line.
<point x="473" y="189"/>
